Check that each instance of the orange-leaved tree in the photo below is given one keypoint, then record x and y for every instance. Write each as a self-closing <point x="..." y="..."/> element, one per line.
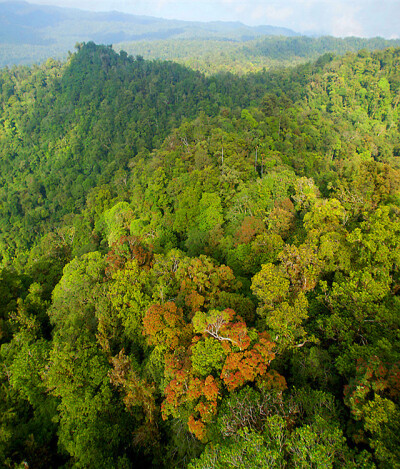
<point x="205" y="360"/>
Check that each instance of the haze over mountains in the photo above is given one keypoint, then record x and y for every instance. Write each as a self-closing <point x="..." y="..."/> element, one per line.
<point x="60" y="28"/>
<point x="32" y="33"/>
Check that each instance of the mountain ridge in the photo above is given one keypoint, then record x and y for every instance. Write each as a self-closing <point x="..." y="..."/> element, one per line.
<point x="39" y="17"/>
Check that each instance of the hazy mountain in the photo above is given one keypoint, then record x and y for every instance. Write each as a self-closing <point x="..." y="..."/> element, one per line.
<point x="32" y="33"/>
<point x="25" y="23"/>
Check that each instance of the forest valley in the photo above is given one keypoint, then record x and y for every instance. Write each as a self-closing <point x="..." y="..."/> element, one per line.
<point x="200" y="271"/>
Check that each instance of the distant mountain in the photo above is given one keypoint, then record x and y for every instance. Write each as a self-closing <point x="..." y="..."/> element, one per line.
<point x="39" y="23"/>
<point x="21" y="23"/>
<point x="33" y="33"/>
<point x="52" y="31"/>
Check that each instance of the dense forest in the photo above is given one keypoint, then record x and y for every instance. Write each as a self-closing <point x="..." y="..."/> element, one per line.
<point x="200" y="271"/>
<point x="210" y="55"/>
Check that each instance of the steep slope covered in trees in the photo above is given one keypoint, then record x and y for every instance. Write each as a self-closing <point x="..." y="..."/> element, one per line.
<point x="83" y="122"/>
<point x="225" y="291"/>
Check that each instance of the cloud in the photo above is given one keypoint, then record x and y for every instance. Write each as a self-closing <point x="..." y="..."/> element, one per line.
<point x="346" y="26"/>
<point x="345" y="22"/>
<point x="338" y="17"/>
<point x="276" y="13"/>
<point x="163" y="3"/>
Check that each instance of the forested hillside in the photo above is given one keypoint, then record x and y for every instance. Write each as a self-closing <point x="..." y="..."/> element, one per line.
<point x="210" y="55"/>
<point x="200" y="271"/>
<point x="82" y="122"/>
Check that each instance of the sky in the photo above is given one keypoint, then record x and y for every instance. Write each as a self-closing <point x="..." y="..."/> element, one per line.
<point x="365" y="18"/>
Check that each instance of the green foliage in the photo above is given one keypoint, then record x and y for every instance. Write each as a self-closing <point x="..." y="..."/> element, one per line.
<point x="93" y="428"/>
<point x="207" y="357"/>
<point x="129" y="299"/>
<point x="117" y="221"/>
<point x="253" y="431"/>
<point x="75" y="295"/>
<point x="247" y="55"/>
